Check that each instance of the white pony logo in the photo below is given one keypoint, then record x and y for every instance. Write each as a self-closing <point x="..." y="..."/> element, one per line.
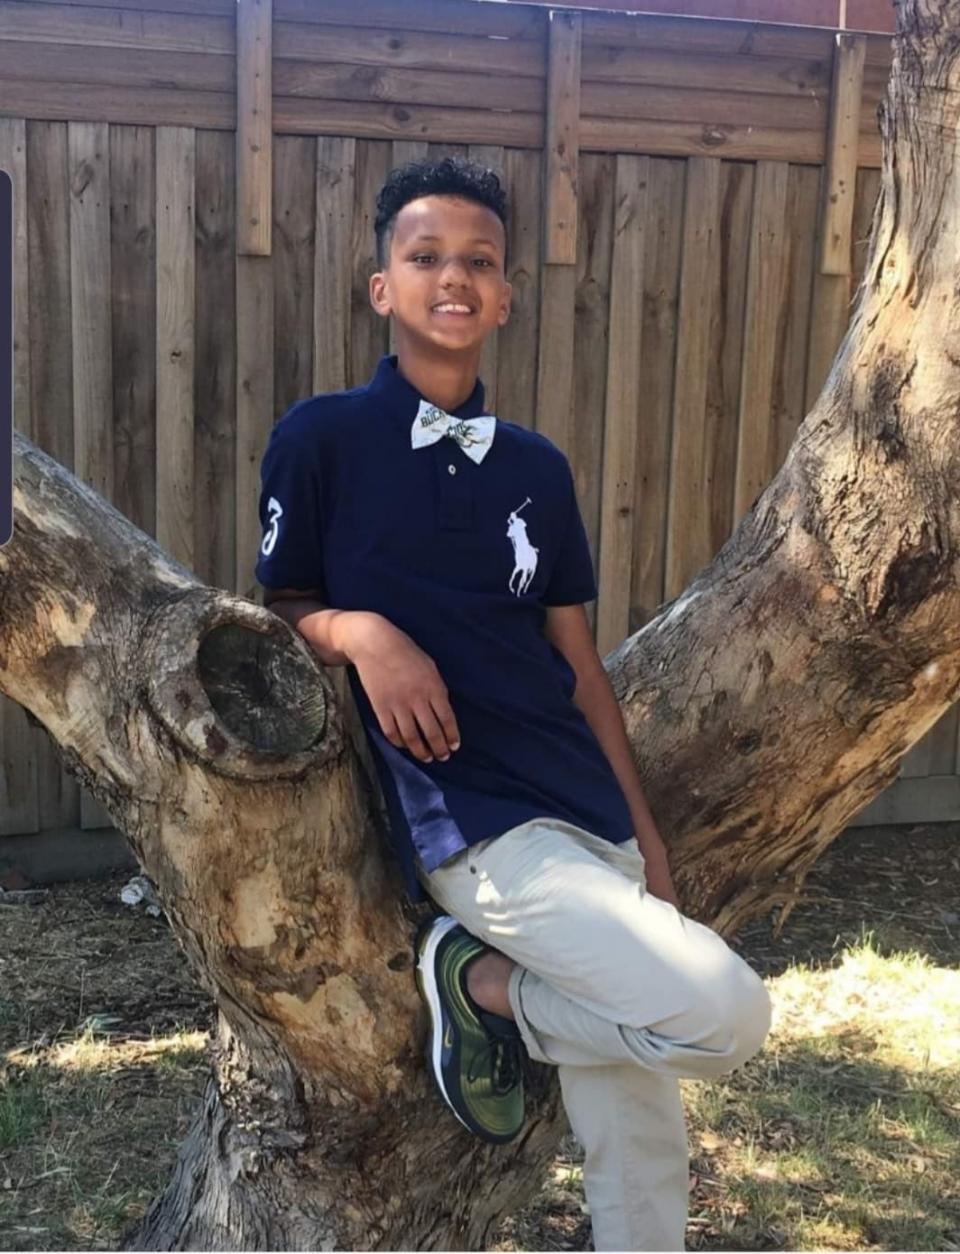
<point x="524" y="553"/>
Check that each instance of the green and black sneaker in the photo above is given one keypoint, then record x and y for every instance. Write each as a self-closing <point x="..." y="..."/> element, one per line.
<point x="475" y="1056"/>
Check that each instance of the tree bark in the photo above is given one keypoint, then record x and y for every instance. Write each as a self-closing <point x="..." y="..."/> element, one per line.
<point x="766" y="705"/>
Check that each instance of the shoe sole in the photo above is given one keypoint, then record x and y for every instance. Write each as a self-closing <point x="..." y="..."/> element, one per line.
<point x="427" y="984"/>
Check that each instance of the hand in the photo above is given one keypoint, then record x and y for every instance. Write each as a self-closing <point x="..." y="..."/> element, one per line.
<point x="657" y="872"/>
<point x="405" y="689"/>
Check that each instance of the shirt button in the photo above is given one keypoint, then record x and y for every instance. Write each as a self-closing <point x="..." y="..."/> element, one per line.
<point x="452" y="469"/>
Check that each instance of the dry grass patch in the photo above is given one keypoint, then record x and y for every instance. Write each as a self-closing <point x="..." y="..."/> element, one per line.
<point x="105" y="1119"/>
<point x="843" y="1132"/>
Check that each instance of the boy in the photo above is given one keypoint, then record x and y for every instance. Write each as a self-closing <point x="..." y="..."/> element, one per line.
<point x="451" y="545"/>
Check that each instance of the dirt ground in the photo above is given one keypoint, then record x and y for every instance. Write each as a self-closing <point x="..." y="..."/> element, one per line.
<point x="81" y="964"/>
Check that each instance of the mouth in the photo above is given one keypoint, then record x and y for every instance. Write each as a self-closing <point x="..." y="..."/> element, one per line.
<point x="453" y="309"/>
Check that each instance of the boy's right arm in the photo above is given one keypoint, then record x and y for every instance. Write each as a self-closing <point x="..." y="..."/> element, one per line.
<point x="402" y="683"/>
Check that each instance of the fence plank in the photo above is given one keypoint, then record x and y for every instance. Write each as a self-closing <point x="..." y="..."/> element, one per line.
<point x="791" y="361"/>
<point x="688" y="533"/>
<point x="773" y="76"/>
<point x="517" y="347"/>
<point x="562" y="144"/>
<point x="710" y="107"/>
<point x="754" y="41"/>
<point x="120" y="68"/>
<point x="176" y="236"/>
<point x="407" y="150"/>
<point x="293" y="268"/>
<point x="766" y="290"/>
<point x="596" y="179"/>
<point x="463" y="16"/>
<point x="721" y="36"/>
<point x="935" y="752"/>
<point x="90" y="292"/>
<point x="440" y="150"/>
<point x="696" y="139"/>
<point x="725" y="354"/>
<point x="490" y="156"/>
<point x="51" y="379"/>
<point x="134" y="314"/>
<point x="254" y="126"/>
<point x="842" y="154"/>
<point x="828" y="325"/>
<point x="137" y="7"/>
<point x="525" y="130"/>
<point x="89" y="156"/>
<point x="933" y="799"/>
<point x="661" y="274"/>
<point x="215" y="386"/>
<point x="333" y="262"/>
<point x="255" y="417"/>
<point x="147" y="106"/>
<point x="555" y="351"/>
<point x="13" y="159"/>
<point x="369" y="333"/>
<point x="451" y="87"/>
<point x="400" y="48"/>
<point x="19" y="801"/>
<point x="68" y="23"/>
<point x="51" y="398"/>
<point x="623" y="401"/>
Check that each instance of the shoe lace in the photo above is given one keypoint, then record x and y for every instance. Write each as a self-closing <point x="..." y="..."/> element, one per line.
<point x="500" y="1057"/>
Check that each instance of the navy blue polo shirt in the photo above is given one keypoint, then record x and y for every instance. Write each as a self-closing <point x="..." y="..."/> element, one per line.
<point x="463" y="557"/>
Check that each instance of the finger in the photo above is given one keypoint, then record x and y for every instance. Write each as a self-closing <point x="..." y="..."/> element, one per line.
<point x="411" y="735"/>
<point x="442" y="709"/>
<point x="388" y="725"/>
<point x="432" y="731"/>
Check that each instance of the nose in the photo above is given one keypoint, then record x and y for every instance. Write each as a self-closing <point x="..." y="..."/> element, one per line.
<point x="455" y="268"/>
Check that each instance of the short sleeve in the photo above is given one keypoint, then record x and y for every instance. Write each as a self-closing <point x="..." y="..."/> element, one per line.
<point x="291" y="544"/>
<point x="571" y="580"/>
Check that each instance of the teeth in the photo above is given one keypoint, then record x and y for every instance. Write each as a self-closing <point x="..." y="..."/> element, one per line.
<point x="453" y="308"/>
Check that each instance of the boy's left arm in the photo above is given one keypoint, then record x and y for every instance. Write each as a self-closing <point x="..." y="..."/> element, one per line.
<point x="568" y="628"/>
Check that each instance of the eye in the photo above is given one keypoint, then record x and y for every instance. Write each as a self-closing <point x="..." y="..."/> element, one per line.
<point x="422" y="256"/>
<point x="486" y="261"/>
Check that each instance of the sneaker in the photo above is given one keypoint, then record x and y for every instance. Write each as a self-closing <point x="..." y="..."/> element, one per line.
<point x="475" y="1056"/>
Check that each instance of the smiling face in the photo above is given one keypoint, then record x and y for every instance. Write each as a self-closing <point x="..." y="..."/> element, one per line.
<point x="444" y="282"/>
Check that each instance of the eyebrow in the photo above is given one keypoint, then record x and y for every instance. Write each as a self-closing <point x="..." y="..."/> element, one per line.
<point x="481" y="239"/>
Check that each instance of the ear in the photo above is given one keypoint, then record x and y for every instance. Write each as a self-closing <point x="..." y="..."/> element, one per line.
<point x="505" y="300"/>
<point x="379" y="294"/>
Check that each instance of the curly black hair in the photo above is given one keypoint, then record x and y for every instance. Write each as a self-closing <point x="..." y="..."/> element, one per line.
<point x="452" y="176"/>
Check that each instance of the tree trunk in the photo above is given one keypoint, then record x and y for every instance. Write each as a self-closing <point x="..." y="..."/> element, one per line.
<point x="766" y="705"/>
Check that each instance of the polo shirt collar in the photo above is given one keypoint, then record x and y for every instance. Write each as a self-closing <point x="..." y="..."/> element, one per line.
<point x="402" y="399"/>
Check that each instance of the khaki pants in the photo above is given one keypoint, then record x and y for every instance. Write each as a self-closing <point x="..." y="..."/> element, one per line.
<point x="623" y="994"/>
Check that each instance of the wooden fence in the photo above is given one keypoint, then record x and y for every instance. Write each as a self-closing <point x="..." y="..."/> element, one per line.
<point x="194" y="188"/>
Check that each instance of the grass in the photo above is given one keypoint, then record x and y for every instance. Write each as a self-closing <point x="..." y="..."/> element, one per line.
<point x="106" y="1118"/>
<point x="22" y="1110"/>
<point x="843" y="1133"/>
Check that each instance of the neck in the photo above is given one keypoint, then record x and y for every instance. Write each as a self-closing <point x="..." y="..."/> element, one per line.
<point x="445" y="381"/>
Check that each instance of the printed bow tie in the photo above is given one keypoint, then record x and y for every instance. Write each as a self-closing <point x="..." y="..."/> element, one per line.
<point x="474" y="435"/>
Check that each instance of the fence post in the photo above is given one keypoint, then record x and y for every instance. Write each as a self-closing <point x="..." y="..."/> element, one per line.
<point x="843" y="141"/>
<point x="254" y="126"/>
<point x="558" y="277"/>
